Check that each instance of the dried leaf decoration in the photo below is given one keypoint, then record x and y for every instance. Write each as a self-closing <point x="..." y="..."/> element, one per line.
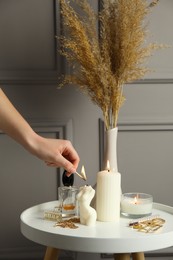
<point x="103" y="64"/>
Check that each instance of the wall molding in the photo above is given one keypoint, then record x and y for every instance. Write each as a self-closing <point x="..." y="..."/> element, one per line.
<point x="47" y="77"/>
<point x="40" y="76"/>
<point x="154" y="81"/>
<point x="131" y="125"/>
<point x="51" y="77"/>
<point x="29" y="77"/>
<point x="143" y="124"/>
<point x="62" y="129"/>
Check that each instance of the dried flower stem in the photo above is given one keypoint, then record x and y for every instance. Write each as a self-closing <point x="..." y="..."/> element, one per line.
<point x="102" y="65"/>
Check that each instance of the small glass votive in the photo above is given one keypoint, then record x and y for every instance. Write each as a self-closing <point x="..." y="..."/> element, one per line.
<point x="68" y="201"/>
<point x="136" y="205"/>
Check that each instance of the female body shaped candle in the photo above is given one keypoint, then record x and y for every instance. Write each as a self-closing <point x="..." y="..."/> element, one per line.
<point x="108" y="195"/>
<point x="88" y="214"/>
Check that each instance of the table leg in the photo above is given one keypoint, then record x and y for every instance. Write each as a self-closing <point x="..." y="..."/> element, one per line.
<point x="122" y="256"/>
<point x="138" y="256"/>
<point x="51" y="253"/>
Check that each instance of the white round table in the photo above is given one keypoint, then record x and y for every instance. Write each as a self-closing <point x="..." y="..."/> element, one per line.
<point x="104" y="237"/>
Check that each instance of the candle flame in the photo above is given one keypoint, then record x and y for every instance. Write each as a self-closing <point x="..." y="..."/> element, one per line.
<point x="136" y="199"/>
<point x="83" y="174"/>
<point x="108" y="165"/>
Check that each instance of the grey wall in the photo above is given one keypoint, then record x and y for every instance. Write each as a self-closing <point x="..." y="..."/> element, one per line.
<point x="28" y="73"/>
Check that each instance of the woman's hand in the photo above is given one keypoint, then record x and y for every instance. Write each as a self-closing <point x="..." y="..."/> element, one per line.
<point x="55" y="152"/>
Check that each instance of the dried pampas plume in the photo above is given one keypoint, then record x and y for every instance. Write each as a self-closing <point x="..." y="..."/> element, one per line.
<point x="103" y="63"/>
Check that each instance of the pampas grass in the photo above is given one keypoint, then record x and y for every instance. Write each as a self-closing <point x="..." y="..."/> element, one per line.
<point x="103" y="63"/>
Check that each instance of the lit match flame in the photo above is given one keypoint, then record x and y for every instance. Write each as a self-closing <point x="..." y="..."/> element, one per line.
<point x="82" y="175"/>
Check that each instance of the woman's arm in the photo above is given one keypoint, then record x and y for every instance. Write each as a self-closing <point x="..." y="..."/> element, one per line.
<point x="55" y="152"/>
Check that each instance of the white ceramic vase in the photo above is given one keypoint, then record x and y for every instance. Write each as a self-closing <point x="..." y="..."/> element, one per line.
<point x="110" y="153"/>
<point x="108" y="186"/>
<point x="108" y="193"/>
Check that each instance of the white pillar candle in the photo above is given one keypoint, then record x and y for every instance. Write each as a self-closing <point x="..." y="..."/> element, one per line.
<point x="108" y="195"/>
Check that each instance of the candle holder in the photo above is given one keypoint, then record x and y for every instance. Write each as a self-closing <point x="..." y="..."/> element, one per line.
<point x="136" y="205"/>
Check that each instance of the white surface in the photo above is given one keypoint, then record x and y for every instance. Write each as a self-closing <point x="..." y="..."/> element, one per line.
<point x="105" y="237"/>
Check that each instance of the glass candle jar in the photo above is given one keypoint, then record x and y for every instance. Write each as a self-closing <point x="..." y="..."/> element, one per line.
<point x="136" y="205"/>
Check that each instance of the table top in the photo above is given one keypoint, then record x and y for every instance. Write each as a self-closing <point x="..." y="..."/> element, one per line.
<point x="104" y="237"/>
